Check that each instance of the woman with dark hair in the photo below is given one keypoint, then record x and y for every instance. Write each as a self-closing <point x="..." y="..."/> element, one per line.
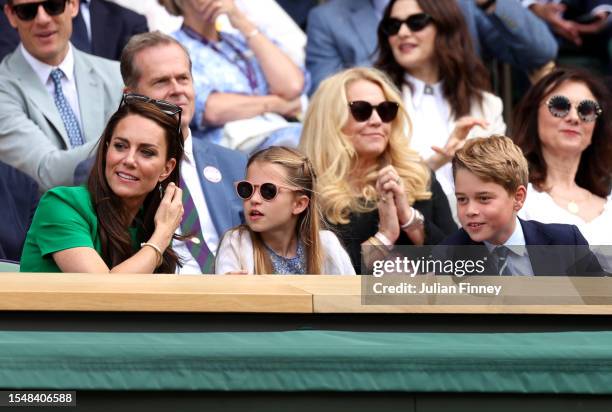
<point x="564" y="127"/>
<point x="124" y="219"/>
<point x="425" y="48"/>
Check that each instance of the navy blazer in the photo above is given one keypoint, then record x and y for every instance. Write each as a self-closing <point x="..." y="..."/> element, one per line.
<point x="544" y="261"/>
<point x="223" y="204"/>
<point x="111" y="27"/>
<point x="18" y="201"/>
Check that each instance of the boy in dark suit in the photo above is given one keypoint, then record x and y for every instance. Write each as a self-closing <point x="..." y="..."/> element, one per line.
<point x="491" y="176"/>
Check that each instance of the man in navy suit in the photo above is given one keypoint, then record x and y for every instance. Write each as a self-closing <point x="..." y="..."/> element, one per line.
<point x="342" y="34"/>
<point x="101" y="28"/>
<point x="18" y="201"/>
<point x="156" y="65"/>
<point x="491" y="175"/>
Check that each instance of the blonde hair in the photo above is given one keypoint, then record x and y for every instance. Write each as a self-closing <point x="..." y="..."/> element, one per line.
<point x="334" y="157"/>
<point x="300" y="173"/>
<point x="494" y="159"/>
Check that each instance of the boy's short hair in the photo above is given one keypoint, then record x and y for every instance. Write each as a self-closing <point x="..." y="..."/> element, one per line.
<point x="494" y="159"/>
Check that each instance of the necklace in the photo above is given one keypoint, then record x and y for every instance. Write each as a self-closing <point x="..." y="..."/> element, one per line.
<point x="572" y="205"/>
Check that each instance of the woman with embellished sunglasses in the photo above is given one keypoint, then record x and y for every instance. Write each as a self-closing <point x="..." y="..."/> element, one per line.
<point x="124" y="219"/>
<point x="282" y="232"/>
<point x="425" y="48"/>
<point x="564" y="126"/>
<point x="374" y="189"/>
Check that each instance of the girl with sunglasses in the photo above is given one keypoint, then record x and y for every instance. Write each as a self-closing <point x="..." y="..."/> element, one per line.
<point x="124" y="219"/>
<point x="425" y="48"/>
<point x="282" y="232"/>
<point x="563" y="124"/>
<point x="374" y="189"/>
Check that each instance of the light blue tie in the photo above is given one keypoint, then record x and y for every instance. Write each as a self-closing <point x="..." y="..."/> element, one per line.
<point x="68" y="117"/>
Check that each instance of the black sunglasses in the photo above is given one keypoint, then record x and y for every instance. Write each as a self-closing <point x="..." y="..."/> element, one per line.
<point x="28" y="11"/>
<point x="560" y="106"/>
<point x="362" y="110"/>
<point x="268" y="191"/>
<point x="166" y="107"/>
<point x="390" y="26"/>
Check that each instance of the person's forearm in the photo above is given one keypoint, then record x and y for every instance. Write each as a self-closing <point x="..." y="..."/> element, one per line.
<point x="148" y="258"/>
<point x="284" y="78"/>
<point x="227" y="107"/>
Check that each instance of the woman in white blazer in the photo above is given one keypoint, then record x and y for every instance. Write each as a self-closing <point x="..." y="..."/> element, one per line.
<point x="425" y="48"/>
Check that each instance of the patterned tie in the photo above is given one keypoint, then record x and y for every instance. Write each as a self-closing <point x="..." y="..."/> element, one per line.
<point x="502" y="260"/>
<point x="190" y="226"/>
<point x="70" y="121"/>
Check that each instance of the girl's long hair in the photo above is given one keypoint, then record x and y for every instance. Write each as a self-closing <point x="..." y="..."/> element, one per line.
<point x="113" y="224"/>
<point x="300" y="174"/>
<point x="463" y="75"/>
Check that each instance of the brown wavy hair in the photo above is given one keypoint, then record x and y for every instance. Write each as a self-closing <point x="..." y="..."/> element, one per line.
<point x="463" y="74"/>
<point x="595" y="167"/>
<point x="113" y="224"/>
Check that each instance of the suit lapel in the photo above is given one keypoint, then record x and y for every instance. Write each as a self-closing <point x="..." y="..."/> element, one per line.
<point x="364" y="22"/>
<point x="544" y="260"/>
<point x="216" y="198"/>
<point x="89" y="90"/>
<point x="37" y="93"/>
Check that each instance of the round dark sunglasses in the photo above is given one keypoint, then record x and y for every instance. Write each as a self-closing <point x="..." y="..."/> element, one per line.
<point x="362" y="110"/>
<point x="268" y="191"/>
<point x="560" y="106"/>
<point x="390" y="26"/>
<point x="28" y="11"/>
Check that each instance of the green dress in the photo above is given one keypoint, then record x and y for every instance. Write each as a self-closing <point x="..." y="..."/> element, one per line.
<point x="65" y="218"/>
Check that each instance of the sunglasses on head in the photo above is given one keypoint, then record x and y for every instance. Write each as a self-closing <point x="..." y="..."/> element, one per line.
<point x="390" y="26"/>
<point x="362" y="110"/>
<point x="166" y="107"/>
<point x="560" y="106"/>
<point x="28" y="11"/>
<point x="267" y="191"/>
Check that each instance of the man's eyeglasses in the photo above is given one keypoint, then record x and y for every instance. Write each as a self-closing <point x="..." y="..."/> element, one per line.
<point x="166" y="107"/>
<point x="390" y="26"/>
<point x="28" y="11"/>
<point x="362" y="110"/>
<point x="560" y="106"/>
<point x="268" y="191"/>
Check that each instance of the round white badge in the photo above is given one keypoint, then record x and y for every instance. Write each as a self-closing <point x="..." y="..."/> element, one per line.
<point x="212" y="174"/>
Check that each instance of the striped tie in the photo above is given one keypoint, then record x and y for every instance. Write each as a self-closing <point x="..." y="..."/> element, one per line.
<point x="190" y="226"/>
<point x="68" y="117"/>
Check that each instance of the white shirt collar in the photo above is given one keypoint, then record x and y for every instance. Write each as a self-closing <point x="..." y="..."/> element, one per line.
<point x="43" y="70"/>
<point x="516" y="242"/>
<point x="418" y="89"/>
<point x="188" y="148"/>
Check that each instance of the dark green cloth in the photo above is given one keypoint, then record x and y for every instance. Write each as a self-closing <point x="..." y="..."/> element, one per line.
<point x="310" y="360"/>
<point x="65" y="218"/>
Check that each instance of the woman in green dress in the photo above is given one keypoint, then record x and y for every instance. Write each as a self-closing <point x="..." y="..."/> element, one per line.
<point x="124" y="219"/>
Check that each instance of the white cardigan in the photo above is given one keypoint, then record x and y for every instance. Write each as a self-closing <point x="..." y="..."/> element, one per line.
<point x="235" y="253"/>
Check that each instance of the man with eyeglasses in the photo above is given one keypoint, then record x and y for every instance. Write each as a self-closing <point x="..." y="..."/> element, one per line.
<point x="342" y="34"/>
<point x="54" y="99"/>
<point x="157" y="66"/>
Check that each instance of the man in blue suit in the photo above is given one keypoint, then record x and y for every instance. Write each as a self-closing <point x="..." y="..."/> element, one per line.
<point x="101" y="28"/>
<point x="342" y="34"/>
<point x="156" y="65"/>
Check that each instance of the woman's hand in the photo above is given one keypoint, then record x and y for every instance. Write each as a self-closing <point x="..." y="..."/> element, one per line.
<point x="169" y="213"/>
<point x="455" y="141"/>
<point x="388" y="223"/>
<point x="211" y="9"/>
<point x="284" y="107"/>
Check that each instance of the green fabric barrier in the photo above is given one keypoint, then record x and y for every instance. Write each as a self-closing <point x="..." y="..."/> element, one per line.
<point x="569" y="362"/>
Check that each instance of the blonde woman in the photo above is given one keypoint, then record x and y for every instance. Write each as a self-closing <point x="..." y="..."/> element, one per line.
<point x="282" y="232"/>
<point x="373" y="188"/>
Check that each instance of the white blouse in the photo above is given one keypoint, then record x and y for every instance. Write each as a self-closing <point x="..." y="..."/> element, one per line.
<point x="540" y="206"/>
<point x="236" y="253"/>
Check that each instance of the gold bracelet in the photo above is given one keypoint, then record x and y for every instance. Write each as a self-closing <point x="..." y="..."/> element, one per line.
<point x="157" y="250"/>
<point x="252" y="34"/>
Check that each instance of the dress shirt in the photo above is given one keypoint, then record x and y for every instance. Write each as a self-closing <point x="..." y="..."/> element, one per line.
<point x="209" y="233"/>
<point x="86" y="14"/>
<point x="518" y="261"/>
<point x="69" y="88"/>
